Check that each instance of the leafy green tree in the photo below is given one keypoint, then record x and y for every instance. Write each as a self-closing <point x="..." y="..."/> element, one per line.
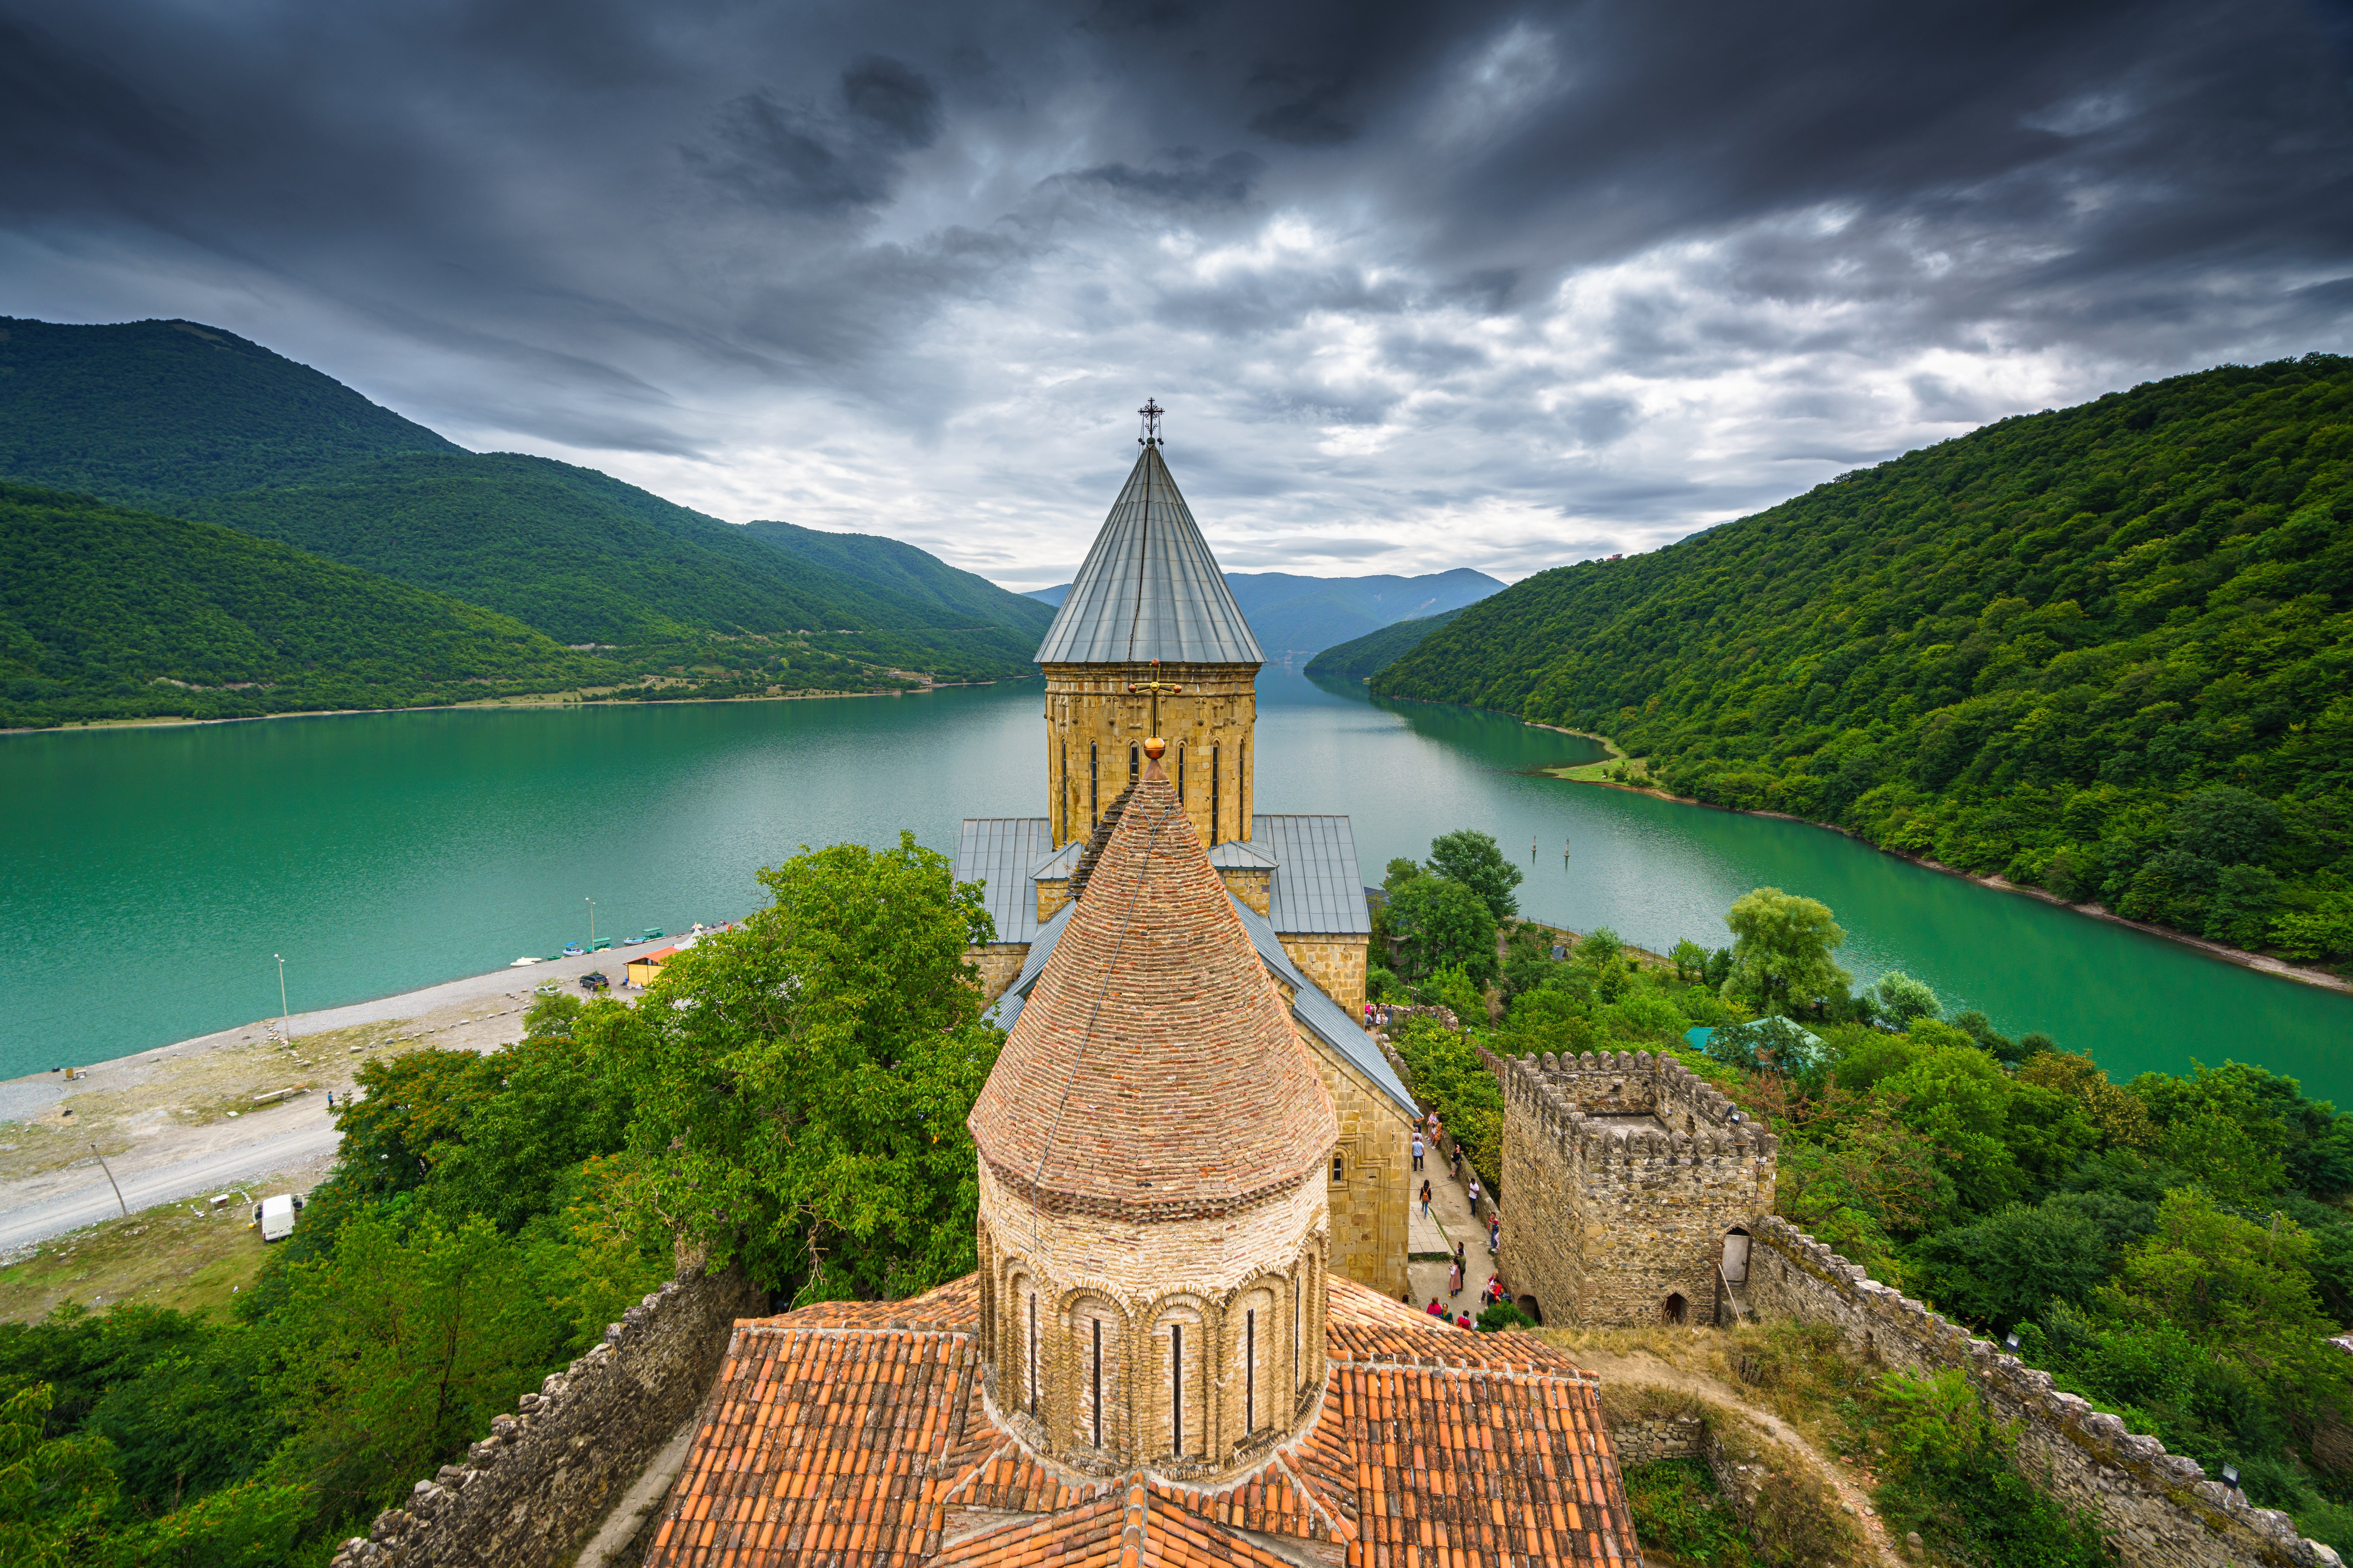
<point x="1952" y="1474"/>
<point x="1441" y="923"/>
<point x="1781" y="951"/>
<point x="1474" y="859"/>
<point x="2240" y="1290"/>
<point x="2006" y="1267"/>
<point x="400" y="1348"/>
<point x="801" y="1082"/>
<point x="1690" y="960"/>
<point x="54" y="1491"/>
<point x="1903" y="1001"/>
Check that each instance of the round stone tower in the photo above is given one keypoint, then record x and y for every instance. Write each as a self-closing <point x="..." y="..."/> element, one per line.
<point x="1150" y="608"/>
<point x="1154" y="1219"/>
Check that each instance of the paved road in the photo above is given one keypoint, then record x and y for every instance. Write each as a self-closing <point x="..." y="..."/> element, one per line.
<point x="187" y="1162"/>
<point x="79" y="1195"/>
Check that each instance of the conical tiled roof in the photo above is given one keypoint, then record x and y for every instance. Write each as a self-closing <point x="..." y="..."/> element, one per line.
<point x="1154" y="1069"/>
<point x="1150" y="588"/>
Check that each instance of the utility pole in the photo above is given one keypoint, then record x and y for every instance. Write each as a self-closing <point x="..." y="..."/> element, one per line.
<point x="285" y="1013"/>
<point x="110" y="1180"/>
<point x="592" y="925"/>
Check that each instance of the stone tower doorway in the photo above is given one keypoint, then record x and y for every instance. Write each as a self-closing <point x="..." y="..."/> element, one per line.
<point x="1736" y="1255"/>
<point x="1675" y="1309"/>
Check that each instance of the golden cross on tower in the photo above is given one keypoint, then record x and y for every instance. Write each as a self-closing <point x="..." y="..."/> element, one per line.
<point x="1156" y="686"/>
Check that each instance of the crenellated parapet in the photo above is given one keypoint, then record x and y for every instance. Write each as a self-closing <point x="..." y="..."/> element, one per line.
<point x="2158" y="1508"/>
<point x="1626" y="1171"/>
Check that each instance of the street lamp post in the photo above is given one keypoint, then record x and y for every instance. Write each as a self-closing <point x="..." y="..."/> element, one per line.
<point x="592" y="925"/>
<point x="285" y="1013"/>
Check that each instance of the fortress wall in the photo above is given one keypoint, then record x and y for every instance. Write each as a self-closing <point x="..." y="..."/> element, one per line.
<point x="1612" y="1218"/>
<point x="538" y="1485"/>
<point x="2160" y="1506"/>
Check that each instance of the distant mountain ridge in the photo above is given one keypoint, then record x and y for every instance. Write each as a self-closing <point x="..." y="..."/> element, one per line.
<point x="1376" y="650"/>
<point x="180" y="418"/>
<point x="1294" y="614"/>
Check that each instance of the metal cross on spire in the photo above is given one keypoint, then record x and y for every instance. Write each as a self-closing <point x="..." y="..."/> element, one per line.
<point x="1150" y="412"/>
<point x="1156" y="686"/>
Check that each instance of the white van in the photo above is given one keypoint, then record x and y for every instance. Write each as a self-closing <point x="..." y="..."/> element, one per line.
<point x="276" y="1216"/>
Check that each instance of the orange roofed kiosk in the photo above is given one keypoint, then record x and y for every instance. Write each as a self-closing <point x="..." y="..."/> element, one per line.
<point x="1153" y="1364"/>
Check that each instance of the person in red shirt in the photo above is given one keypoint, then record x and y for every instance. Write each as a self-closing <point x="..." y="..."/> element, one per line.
<point x="1435" y="1309"/>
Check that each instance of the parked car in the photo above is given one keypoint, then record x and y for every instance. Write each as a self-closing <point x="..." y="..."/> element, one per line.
<point x="593" y="980"/>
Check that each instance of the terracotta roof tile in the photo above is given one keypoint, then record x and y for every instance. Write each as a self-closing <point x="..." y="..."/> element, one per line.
<point x="856" y="1447"/>
<point x="1153" y="1020"/>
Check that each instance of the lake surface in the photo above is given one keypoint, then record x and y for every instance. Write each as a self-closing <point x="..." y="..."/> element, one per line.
<point x="149" y="875"/>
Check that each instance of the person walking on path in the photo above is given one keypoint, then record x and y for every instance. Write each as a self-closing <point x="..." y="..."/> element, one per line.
<point x="1458" y="1162"/>
<point x="1425" y="1202"/>
<point x="1417" y="1148"/>
<point x="1475" y="1194"/>
<point x="1454" y="1279"/>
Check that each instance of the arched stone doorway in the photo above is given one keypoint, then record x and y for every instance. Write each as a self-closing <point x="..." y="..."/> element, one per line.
<point x="1527" y="1304"/>
<point x="1736" y="1255"/>
<point x="1675" y="1309"/>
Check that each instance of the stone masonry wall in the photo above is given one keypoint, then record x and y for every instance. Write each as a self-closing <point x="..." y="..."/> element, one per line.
<point x="534" y="1489"/>
<point x="999" y="964"/>
<point x="1371" y="1201"/>
<point x="1625" y="1172"/>
<point x="1335" y="963"/>
<point x="2161" y="1508"/>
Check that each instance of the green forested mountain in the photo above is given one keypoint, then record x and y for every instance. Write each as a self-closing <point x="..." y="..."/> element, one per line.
<point x="2105" y="651"/>
<point x="110" y="613"/>
<point x="158" y="411"/>
<point x="1376" y="650"/>
<point x="913" y="575"/>
<point x="582" y="555"/>
<point x="177" y="418"/>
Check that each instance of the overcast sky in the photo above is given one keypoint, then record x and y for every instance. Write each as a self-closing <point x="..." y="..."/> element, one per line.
<point x="1422" y="286"/>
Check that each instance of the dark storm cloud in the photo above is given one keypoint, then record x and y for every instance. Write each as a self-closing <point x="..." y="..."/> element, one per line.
<point x="1515" y="273"/>
<point x="1223" y="181"/>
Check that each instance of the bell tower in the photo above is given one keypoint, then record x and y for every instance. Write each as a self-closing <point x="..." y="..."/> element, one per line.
<point x="1149" y="620"/>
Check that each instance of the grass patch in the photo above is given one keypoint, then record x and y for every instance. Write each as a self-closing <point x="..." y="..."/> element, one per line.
<point x="175" y="1254"/>
<point x="1680" y="1518"/>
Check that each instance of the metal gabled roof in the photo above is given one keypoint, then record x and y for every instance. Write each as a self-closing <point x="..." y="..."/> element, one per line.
<point x="1001" y="852"/>
<point x="1317" y="886"/>
<point x="1326" y="1019"/>
<point x="1150" y="588"/>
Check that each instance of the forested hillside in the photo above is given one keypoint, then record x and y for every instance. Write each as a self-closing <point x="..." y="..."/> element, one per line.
<point x="2105" y="651"/>
<point x="912" y="574"/>
<point x="110" y="613"/>
<point x="149" y="411"/>
<point x="176" y="418"/>
<point x="1378" y="650"/>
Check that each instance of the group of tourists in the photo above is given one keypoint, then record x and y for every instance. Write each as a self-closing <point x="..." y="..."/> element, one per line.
<point x="1428" y="1134"/>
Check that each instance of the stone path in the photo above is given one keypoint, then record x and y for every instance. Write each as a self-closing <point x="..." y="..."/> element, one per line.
<point x="1450" y="1221"/>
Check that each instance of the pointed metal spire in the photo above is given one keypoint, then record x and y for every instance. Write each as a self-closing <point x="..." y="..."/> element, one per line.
<point x="1150" y="588"/>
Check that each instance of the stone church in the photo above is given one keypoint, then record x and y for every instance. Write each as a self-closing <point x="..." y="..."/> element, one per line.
<point x="1157" y="1364"/>
<point x="1150" y="634"/>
